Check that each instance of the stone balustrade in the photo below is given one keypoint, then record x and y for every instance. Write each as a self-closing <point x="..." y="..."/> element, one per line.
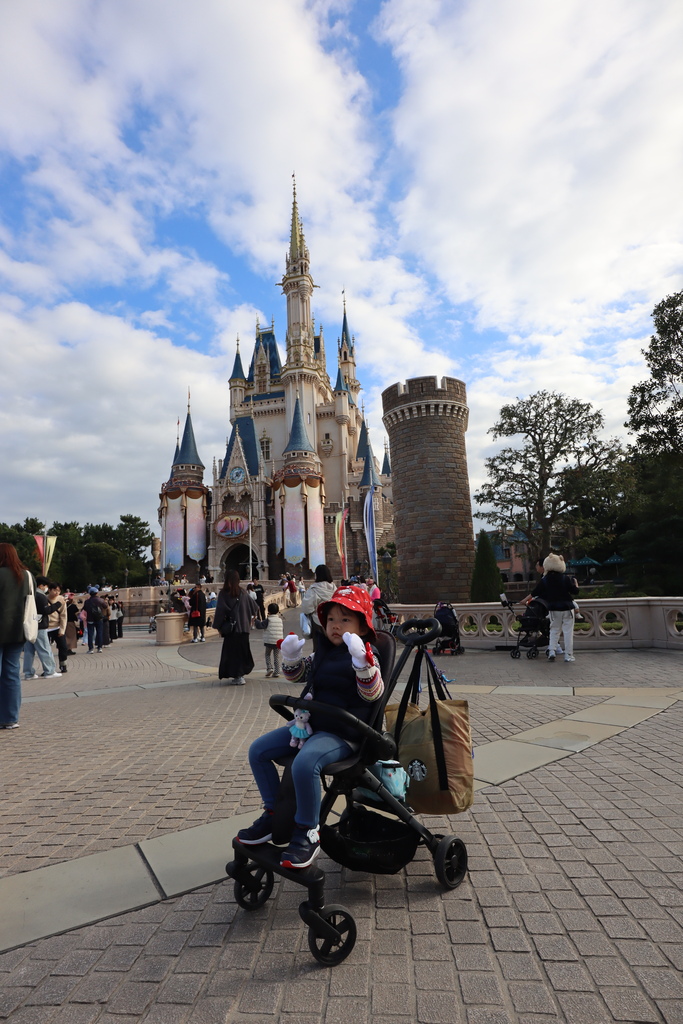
<point x="600" y="622"/>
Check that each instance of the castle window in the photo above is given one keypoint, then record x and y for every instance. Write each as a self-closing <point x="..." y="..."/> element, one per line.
<point x="327" y="437"/>
<point x="265" y="448"/>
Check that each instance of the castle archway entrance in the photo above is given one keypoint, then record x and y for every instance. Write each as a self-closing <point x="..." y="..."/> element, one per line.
<point x="237" y="557"/>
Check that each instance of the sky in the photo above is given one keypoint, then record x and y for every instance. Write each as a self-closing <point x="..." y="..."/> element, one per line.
<point x="495" y="185"/>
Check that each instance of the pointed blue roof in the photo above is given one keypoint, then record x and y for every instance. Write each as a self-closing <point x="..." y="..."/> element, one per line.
<point x="250" y="446"/>
<point x="188" y="454"/>
<point x="386" y="465"/>
<point x="267" y="339"/>
<point x="341" y="383"/>
<point x="369" y="477"/>
<point x="298" y="438"/>
<point x="346" y="337"/>
<point x="238" y="369"/>
<point x="362" y="442"/>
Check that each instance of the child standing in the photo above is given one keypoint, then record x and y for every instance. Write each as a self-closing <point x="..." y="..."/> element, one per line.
<point x="342" y="672"/>
<point x="271" y="636"/>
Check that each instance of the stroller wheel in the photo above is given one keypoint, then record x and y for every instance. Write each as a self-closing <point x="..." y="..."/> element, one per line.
<point x="515" y="653"/>
<point x="450" y="862"/>
<point x="532" y="652"/>
<point x="330" y="951"/>
<point x="254" y="893"/>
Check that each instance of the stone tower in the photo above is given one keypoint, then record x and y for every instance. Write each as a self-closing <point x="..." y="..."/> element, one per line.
<point x="426" y="423"/>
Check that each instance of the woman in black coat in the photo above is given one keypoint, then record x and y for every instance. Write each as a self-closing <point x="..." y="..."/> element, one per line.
<point x="234" y="605"/>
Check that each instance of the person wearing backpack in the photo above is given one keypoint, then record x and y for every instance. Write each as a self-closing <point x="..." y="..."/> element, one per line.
<point x="234" y="612"/>
<point x="94" y="609"/>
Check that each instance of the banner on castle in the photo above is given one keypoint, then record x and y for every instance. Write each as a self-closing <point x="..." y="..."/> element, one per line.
<point x="339" y="523"/>
<point x="294" y="526"/>
<point x="196" y="529"/>
<point x="316" y="527"/>
<point x="369" y="524"/>
<point x="174" y="554"/>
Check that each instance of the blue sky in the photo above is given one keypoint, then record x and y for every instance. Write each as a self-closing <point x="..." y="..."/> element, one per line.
<point x="495" y="184"/>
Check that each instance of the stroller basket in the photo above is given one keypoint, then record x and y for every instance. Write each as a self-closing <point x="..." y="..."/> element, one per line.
<point x="366" y="841"/>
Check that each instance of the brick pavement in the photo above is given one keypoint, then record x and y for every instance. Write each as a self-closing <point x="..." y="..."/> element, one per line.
<point x="572" y="911"/>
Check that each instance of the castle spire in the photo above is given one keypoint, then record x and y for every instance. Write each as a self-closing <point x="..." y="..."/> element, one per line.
<point x="296" y="239"/>
<point x="298" y="438"/>
<point x="238" y="369"/>
<point x="188" y="454"/>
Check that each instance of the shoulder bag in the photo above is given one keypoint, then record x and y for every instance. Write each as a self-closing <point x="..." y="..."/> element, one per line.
<point x="434" y="744"/>
<point x="30" y="623"/>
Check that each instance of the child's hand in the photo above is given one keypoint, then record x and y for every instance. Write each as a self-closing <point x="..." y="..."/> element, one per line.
<point x="361" y="654"/>
<point x="290" y="647"/>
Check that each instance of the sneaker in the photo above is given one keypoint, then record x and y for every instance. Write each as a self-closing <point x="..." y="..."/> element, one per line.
<point x="569" y="657"/>
<point x="260" y="832"/>
<point x="63" y="669"/>
<point x="276" y="675"/>
<point x="91" y="650"/>
<point x="558" y="650"/>
<point x="99" y="650"/>
<point x="195" y="640"/>
<point x="202" y="639"/>
<point x="52" y="675"/>
<point x="9" y="725"/>
<point x="551" y="657"/>
<point x="34" y="676"/>
<point x="303" y="848"/>
<point x="239" y="681"/>
<point x="269" y="673"/>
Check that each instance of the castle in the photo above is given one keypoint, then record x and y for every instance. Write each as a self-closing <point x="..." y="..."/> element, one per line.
<point x="290" y="491"/>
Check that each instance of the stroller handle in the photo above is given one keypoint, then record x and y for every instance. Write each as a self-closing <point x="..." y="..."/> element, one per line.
<point x="426" y="630"/>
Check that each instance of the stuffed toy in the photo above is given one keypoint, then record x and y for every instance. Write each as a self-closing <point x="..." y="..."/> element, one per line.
<point x="300" y="729"/>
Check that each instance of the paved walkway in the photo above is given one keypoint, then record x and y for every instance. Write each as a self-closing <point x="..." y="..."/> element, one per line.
<point x="572" y="910"/>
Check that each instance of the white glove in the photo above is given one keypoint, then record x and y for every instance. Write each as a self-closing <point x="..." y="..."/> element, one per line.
<point x="357" y="650"/>
<point x="290" y="648"/>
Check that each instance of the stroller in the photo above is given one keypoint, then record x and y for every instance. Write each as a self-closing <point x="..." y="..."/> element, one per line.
<point x="534" y="628"/>
<point x="386" y="620"/>
<point x="449" y="641"/>
<point x="362" y="839"/>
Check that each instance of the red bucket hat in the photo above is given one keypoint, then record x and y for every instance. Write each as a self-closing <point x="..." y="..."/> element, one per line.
<point x="356" y="599"/>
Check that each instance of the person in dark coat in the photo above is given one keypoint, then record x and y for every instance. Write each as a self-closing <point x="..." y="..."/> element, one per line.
<point x="197" y="617"/>
<point x="559" y="591"/>
<point x="14" y="589"/>
<point x="235" y="604"/>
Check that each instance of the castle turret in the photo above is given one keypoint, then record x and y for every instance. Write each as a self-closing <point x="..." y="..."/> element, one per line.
<point x="346" y="350"/>
<point x="183" y="507"/>
<point x="238" y="383"/>
<point x="426" y="423"/>
<point x="297" y="284"/>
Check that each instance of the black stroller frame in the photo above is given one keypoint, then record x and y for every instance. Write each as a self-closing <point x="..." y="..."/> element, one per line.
<point x="534" y="628"/>
<point x="331" y="928"/>
<point x="449" y="641"/>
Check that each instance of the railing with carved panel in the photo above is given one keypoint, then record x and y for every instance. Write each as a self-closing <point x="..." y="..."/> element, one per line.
<point x="600" y="622"/>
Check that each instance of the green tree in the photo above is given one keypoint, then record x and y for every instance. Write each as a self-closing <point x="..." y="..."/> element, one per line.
<point x="487" y="584"/>
<point x="655" y="406"/>
<point x="546" y="481"/>
<point x="133" y="537"/>
<point x="106" y="562"/>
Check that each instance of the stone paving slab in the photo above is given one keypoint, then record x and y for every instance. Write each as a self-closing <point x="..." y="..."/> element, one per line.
<point x="505" y="759"/>
<point x="642" y="700"/>
<point x="64" y="896"/>
<point x="561" y="735"/>
<point x="613" y="714"/>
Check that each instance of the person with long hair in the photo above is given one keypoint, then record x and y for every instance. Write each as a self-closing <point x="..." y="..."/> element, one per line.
<point x="234" y="606"/>
<point x="14" y="589"/>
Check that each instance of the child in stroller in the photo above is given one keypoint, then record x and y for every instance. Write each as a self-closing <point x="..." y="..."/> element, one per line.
<point x="362" y="839"/>
<point x="534" y="627"/>
<point x="449" y="641"/>
<point x="384" y="617"/>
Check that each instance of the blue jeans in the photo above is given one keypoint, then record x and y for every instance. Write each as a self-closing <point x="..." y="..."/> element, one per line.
<point x="42" y="648"/>
<point x="320" y="749"/>
<point x="10" y="683"/>
<point x="95" y="631"/>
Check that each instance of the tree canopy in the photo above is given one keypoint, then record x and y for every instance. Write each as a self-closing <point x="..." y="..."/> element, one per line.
<point x="89" y="553"/>
<point x="555" y="474"/>
<point x="487" y="583"/>
<point x="655" y="406"/>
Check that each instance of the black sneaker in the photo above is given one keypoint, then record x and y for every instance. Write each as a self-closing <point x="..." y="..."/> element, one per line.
<point x="303" y="848"/>
<point x="260" y="832"/>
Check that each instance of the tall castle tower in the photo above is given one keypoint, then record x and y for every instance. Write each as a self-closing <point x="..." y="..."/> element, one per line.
<point x="426" y="423"/>
<point x="183" y="508"/>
